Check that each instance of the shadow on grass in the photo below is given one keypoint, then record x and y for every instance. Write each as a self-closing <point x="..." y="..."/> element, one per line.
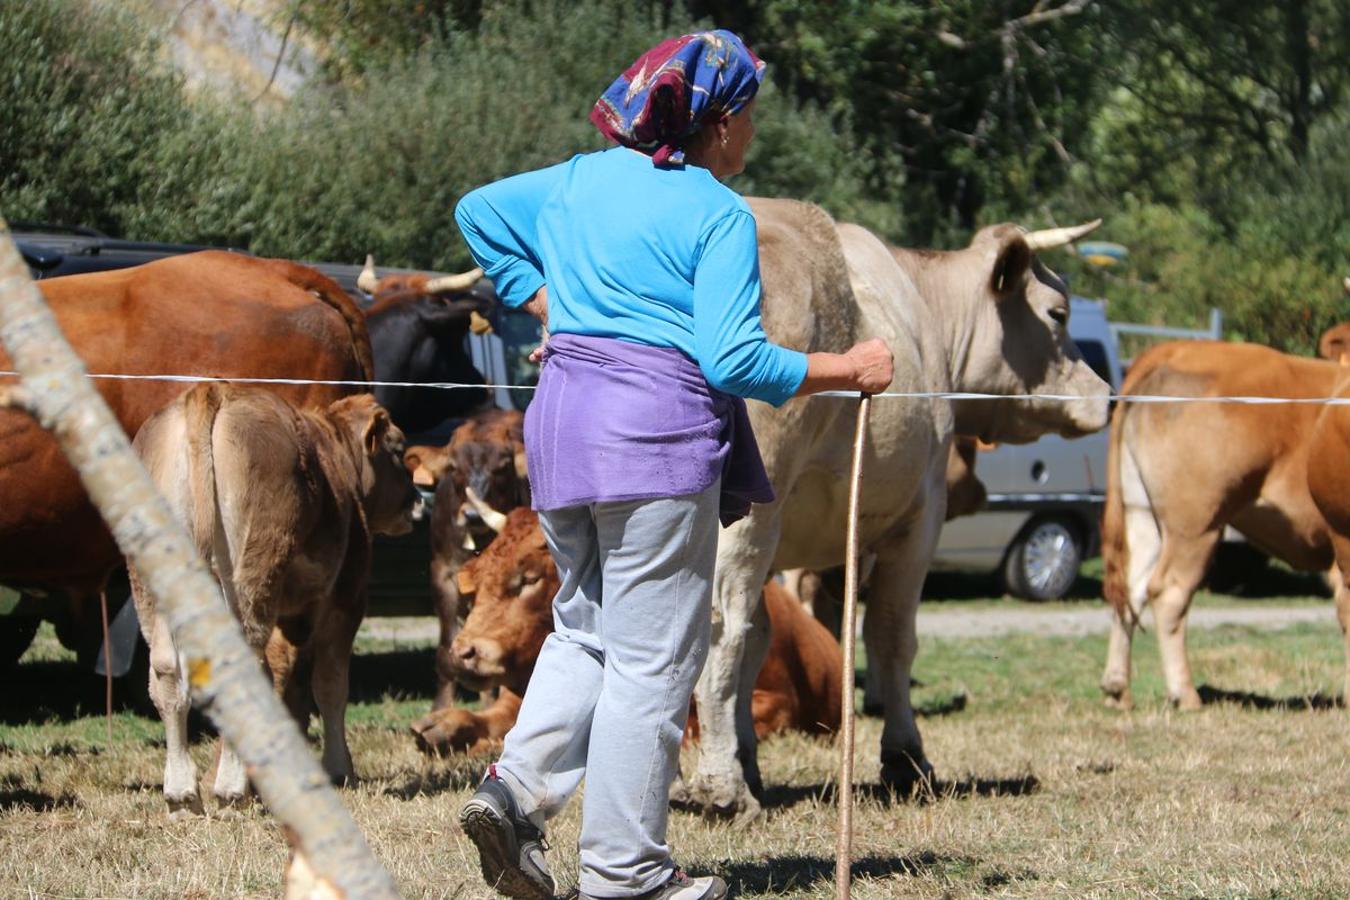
<point x="783" y="796"/>
<point x="23" y="799"/>
<point x="791" y="873"/>
<point x="1319" y="701"/>
<point x="464" y="773"/>
<point x="942" y="587"/>
<point x="408" y="674"/>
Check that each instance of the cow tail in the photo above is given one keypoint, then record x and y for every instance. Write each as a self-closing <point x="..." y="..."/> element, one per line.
<point x="327" y="290"/>
<point x="1115" y="549"/>
<point x="203" y="403"/>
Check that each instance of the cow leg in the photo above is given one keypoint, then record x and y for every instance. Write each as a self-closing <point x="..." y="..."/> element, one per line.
<point x="892" y="643"/>
<point x="448" y="615"/>
<point x="231" y="784"/>
<point x="332" y="661"/>
<point x="1142" y="545"/>
<point x="1339" y="585"/>
<point x="1180" y="571"/>
<point x="169" y="691"/>
<point x="727" y="757"/>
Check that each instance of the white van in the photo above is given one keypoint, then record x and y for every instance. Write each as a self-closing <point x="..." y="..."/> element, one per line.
<point x="1045" y="498"/>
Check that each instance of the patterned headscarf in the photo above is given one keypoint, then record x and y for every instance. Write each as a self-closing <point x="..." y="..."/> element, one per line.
<point x="663" y="97"/>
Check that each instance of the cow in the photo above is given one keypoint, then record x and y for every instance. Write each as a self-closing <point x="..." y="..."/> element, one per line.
<point x="213" y="313"/>
<point x="482" y="471"/>
<point x="512" y="586"/>
<point x="417" y="328"/>
<point x="1167" y="506"/>
<point x="990" y="318"/>
<point x="1329" y="487"/>
<point x="282" y="504"/>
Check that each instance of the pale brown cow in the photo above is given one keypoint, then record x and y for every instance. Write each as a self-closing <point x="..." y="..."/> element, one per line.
<point x="212" y="313"/>
<point x="513" y="584"/>
<point x="1329" y="486"/>
<point x="1167" y="505"/>
<point x="282" y="504"/>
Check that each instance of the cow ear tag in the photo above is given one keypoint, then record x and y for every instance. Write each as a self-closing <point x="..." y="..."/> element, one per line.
<point x="478" y="324"/>
<point x="464" y="581"/>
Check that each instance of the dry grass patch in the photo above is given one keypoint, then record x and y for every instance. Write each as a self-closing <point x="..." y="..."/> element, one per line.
<point x="1043" y="792"/>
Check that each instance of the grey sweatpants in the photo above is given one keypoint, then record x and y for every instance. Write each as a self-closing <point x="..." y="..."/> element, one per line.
<point x="610" y="693"/>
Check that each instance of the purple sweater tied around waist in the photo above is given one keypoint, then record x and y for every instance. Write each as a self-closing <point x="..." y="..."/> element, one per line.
<point x="615" y="421"/>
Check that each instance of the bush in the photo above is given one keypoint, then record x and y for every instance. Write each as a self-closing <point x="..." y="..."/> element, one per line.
<point x="87" y="103"/>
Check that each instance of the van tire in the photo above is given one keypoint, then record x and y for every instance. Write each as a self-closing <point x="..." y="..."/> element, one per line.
<point x="1042" y="563"/>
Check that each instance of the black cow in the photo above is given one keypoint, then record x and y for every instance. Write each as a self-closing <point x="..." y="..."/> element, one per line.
<point x="417" y="331"/>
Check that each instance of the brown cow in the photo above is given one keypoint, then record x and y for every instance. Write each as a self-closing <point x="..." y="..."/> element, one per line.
<point x="1329" y="486"/>
<point x="282" y="503"/>
<point x="485" y="459"/>
<point x="1167" y="505"/>
<point x="212" y="313"/>
<point x="513" y="584"/>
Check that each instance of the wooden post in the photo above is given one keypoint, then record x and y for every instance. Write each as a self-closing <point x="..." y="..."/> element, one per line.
<point x="224" y="672"/>
<point x="843" y="849"/>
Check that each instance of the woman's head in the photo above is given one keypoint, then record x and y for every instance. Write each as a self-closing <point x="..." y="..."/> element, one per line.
<point x="689" y="92"/>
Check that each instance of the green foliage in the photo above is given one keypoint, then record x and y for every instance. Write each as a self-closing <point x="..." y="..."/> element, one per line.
<point x="1214" y="141"/>
<point x="86" y="106"/>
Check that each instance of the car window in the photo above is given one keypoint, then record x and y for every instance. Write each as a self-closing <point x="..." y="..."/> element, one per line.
<point x="1094" y="354"/>
<point x="520" y="334"/>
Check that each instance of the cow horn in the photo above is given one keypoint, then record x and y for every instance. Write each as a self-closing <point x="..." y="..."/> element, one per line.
<point x="491" y="518"/>
<point x="447" y="283"/>
<point x="367" y="281"/>
<point x="1058" y="237"/>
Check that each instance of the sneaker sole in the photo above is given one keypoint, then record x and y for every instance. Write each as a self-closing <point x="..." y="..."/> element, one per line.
<point x="501" y="871"/>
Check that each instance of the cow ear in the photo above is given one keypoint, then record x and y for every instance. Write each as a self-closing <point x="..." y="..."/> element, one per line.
<point x="522" y="466"/>
<point x="375" y="431"/>
<point x="1010" y="267"/>
<point x="464" y="581"/>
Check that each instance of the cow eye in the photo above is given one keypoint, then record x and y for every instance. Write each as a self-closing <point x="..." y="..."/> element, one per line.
<point x="1060" y="314"/>
<point x="515" y="583"/>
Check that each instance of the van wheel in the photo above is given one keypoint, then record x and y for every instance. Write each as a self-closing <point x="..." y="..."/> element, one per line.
<point x="1042" y="564"/>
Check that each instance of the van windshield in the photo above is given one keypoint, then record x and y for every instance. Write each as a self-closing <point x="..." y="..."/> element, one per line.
<point x="1094" y="354"/>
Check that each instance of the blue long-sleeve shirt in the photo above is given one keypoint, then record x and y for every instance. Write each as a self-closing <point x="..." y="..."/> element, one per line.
<point x="661" y="256"/>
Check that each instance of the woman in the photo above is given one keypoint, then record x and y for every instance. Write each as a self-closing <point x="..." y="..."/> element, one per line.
<point x="645" y="269"/>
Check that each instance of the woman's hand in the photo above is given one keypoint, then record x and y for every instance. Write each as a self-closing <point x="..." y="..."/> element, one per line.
<point x="874" y="367"/>
<point x="867" y="367"/>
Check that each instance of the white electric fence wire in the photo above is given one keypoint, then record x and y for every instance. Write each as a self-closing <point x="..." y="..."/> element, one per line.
<point x="890" y="395"/>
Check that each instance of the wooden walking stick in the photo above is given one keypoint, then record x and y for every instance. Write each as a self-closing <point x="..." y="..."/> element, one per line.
<point x="843" y="853"/>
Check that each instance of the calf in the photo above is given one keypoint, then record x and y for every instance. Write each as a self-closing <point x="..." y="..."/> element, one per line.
<point x="282" y="503"/>
<point x="512" y="585"/>
<point x="485" y="463"/>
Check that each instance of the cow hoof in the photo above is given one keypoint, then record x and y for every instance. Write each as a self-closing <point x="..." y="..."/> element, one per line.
<point x="717" y="799"/>
<point x="908" y="779"/>
<point x="181" y="809"/>
<point x="1118" y="698"/>
<point x="1187" y="702"/>
<point x="230" y="807"/>
<point x="341" y="780"/>
<point x="447" y="731"/>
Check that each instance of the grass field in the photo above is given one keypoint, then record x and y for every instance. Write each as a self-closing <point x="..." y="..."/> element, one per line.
<point x="1043" y="792"/>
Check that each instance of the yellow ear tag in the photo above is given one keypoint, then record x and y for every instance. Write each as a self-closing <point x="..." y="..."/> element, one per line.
<point x="478" y="324"/>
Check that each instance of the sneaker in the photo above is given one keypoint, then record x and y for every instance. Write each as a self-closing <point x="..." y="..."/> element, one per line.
<point x="510" y="847"/>
<point x="682" y="887"/>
